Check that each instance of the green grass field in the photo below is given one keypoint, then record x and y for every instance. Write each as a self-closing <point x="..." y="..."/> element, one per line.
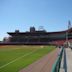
<point x="14" y="58"/>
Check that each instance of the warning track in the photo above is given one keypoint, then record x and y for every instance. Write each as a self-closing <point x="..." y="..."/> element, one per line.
<point x="44" y="64"/>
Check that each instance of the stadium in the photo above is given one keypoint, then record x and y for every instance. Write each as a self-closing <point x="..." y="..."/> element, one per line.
<point x="34" y="50"/>
<point x="35" y="36"/>
<point x="38" y="37"/>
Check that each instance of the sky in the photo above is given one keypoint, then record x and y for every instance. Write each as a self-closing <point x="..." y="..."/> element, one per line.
<point x="53" y="15"/>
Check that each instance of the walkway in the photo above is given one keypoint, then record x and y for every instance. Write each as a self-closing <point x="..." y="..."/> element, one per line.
<point x="69" y="59"/>
<point x="44" y="64"/>
<point x="66" y="65"/>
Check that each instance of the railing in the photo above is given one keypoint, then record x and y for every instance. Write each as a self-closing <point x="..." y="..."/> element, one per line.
<point x="56" y="66"/>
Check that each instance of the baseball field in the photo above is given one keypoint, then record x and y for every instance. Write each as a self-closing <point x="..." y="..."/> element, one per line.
<point x="15" y="58"/>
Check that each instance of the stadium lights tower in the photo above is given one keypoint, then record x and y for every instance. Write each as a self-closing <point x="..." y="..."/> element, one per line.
<point x="67" y="32"/>
<point x="41" y="28"/>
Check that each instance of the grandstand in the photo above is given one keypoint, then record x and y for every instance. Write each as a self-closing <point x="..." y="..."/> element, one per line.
<point x="38" y="37"/>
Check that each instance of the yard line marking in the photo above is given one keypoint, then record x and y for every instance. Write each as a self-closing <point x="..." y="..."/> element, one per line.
<point x="17" y="59"/>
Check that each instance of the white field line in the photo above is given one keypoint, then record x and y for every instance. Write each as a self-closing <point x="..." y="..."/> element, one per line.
<point x="16" y="59"/>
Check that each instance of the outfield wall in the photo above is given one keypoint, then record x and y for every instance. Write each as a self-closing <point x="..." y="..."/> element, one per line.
<point x="25" y="43"/>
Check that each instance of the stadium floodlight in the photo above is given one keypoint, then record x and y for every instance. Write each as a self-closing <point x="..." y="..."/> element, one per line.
<point x="41" y="28"/>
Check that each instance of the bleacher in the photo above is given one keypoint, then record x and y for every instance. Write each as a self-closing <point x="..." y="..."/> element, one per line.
<point x="60" y="42"/>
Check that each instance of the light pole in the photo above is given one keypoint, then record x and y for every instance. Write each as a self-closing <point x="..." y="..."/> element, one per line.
<point x="67" y="32"/>
<point x="66" y="36"/>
